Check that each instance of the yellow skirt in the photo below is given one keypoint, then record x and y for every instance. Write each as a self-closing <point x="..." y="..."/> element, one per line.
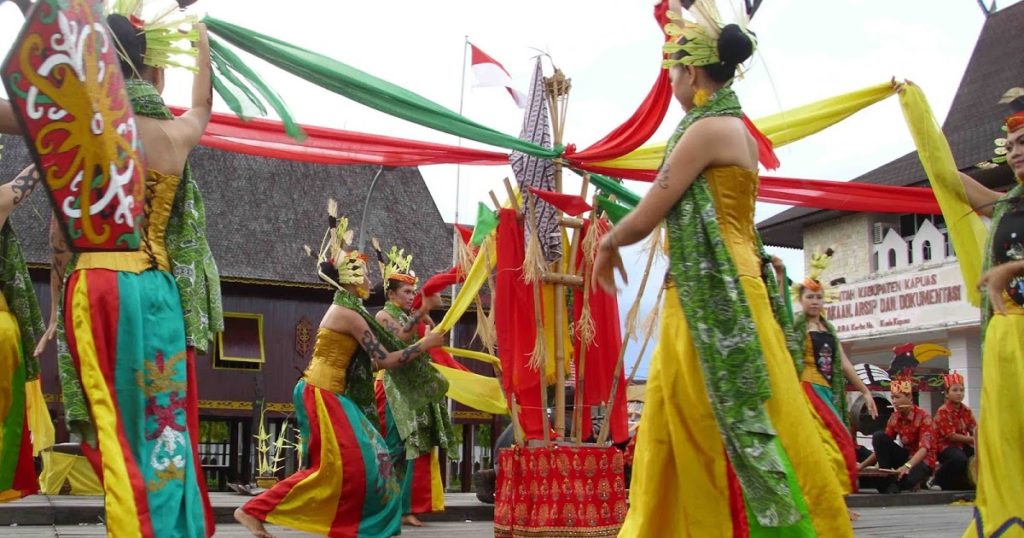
<point x="680" y="486"/>
<point x="999" y="507"/>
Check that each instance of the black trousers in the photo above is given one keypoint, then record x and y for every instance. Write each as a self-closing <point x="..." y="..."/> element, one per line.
<point x="952" y="471"/>
<point x="892" y="456"/>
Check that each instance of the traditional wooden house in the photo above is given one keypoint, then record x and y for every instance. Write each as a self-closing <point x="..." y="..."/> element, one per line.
<point x="260" y="213"/>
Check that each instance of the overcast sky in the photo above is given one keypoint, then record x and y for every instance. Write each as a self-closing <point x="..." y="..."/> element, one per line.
<point x="808" y="50"/>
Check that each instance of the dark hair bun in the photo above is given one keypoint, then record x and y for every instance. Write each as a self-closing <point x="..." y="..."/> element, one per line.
<point x="330" y="271"/>
<point x="734" y="45"/>
<point x="129" y="43"/>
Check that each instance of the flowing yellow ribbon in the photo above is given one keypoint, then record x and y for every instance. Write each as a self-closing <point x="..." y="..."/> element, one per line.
<point x="966" y="229"/>
<point x="475" y="355"/>
<point x="474" y="390"/>
<point x="782" y="128"/>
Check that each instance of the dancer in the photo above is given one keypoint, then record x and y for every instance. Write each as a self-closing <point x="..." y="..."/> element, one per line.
<point x="825" y="387"/>
<point x="725" y="449"/>
<point x="349" y="487"/>
<point x="1000" y="501"/>
<point x="422" y="491"/>
<point x="914" y="457"/>
<point x="954" y="436"/>
<point x="21" y="326"/>
<point x="125" y="327"/>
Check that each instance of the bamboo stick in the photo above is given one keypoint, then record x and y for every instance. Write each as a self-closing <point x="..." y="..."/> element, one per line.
<point x="603" y="436"/>
<point x="511" y="195"/>
<point x="647" y="339"/>
<point x="517" y="428"/>
<point x="538" y="310"/>
<point x="494" y="200"/>
<point x="557" y="94"/>
<point x="588" y="267"/>
<point x="562" y="279"/>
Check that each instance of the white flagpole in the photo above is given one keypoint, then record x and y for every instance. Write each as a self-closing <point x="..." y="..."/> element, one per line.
<point x="462" y="95"/>
<point x="455" y="243"/>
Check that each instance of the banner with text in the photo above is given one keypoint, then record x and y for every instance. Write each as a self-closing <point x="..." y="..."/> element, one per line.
<point x="903" y="302"/>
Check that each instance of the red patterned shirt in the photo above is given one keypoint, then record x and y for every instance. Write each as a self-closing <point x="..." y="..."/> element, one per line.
<point x="914" y="431"/>
<point x="950" y="419"/>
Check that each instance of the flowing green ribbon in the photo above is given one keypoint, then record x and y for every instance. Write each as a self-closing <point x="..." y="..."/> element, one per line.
<point x="367" y="89"/>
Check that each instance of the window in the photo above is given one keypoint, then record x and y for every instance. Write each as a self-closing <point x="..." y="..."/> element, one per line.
<point x="911" y="223"/>
<point x="926" y="250"/>
<point x="214" y="443"/>
<point x="892" y="258"/>
<point x="240" y="346"/>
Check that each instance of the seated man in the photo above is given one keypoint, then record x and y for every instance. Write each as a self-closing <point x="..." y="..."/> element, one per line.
<point x="915" y="459"/>
<point x="954" y="437"/>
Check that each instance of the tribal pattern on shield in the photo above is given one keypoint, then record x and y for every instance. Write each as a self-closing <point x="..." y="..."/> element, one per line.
<point x="66" y="86"/>
<point x="164" y="385"/>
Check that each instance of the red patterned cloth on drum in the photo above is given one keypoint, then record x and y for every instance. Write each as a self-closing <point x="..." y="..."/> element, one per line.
<point x="560" y="491"/>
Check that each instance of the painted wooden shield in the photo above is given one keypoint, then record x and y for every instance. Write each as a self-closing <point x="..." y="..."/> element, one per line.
<point x="65" y="84"/>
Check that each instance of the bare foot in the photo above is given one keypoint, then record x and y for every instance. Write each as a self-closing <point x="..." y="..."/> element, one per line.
<point x="411" y="519"/>
<point x="253" y="525"/>
<point x="854" y="516"/>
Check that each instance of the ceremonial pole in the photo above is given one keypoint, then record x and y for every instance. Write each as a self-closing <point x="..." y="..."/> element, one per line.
<point x="558" y="94"/>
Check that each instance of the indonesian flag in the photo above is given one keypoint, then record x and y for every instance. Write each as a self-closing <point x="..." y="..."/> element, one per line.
<point x="488" y="72"/>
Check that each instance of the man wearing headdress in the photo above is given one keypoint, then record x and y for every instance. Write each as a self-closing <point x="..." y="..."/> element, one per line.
<point x="954" y="436"/>
<point x="422" y="491"/>
<point x="914" y="457"/>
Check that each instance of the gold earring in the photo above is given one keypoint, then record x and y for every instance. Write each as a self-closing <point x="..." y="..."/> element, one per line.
<point x="701" y="97"/>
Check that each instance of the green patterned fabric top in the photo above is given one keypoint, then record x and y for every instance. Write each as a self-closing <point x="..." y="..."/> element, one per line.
<point x="76" y="414"/>
<point x="192" y="263"/>
<point x="724" y="334"/>
<point x="1000" y="208"/>
<point x="415" y="391"/>
<point x="16" y="285"/>
<point x="798" y="337"/>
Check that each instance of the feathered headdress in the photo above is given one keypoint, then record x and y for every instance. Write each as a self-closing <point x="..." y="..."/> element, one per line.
<point x="337" y="263"/>
<point x="819" y="262"/>
<point x="952" y="378"/>
<point x="1014" y="97"/>
<point x="902" y="383"/>
<point x="169" y="31"/>
<point x="697" y="37"/>
<point x="398" y="267"/>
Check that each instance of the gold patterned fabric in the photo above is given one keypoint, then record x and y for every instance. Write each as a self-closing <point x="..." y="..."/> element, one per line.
<point x="160" y="190"/>
<point x="331" y="356"/>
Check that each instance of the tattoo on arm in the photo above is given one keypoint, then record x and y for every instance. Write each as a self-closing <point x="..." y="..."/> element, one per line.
<point x="373" y="346"/>
<point x="409" y="352"/>
<point x="24" y="184"/>
<point x="391" y="326"/>
<point x="662" y="178"/>
<point x="410" y="324"/>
